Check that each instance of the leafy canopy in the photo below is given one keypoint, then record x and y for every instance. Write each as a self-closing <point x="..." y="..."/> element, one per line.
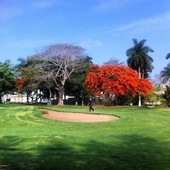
<point x="139" y="58"/>
<point x="117" y="79"/>
<point x="7" y="78"/>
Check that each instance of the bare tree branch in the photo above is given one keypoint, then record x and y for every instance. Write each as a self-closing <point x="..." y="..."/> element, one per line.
<point x="60" y="62"/>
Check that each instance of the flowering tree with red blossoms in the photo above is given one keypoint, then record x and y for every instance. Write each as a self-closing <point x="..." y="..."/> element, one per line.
<point x="19" y="83"/>
<point x="116" y="80"/>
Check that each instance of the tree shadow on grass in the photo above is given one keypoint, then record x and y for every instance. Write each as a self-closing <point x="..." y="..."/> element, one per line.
<point x="12" y="156"/>
<point x="53" y="155"/>
<point x="132" y="152"/>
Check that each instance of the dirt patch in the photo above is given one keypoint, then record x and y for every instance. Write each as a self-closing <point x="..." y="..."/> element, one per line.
<point x="78" y="117"/>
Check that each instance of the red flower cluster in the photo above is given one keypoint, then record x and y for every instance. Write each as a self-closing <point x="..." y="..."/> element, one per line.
<point x="118" y="80"/>
<point x="19" y="83"/>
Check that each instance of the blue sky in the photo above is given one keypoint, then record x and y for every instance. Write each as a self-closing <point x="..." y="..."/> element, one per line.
<point x="105" y="28"/>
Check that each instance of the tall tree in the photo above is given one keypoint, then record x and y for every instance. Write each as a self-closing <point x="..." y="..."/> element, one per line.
<point x="113" y="61"/>
<point x="115" y="80"/>
<point x="7" y="78"/>
<point x="139" y="59"/>
<point x="75" y="84"/>
<point x="29" y="72"/>
<point x="63" y="59"/>
<point x="45" y="79"/>
<point x="165" y="73"/>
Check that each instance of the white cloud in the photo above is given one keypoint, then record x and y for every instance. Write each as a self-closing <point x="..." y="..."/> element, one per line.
<point x="10" y="10"/>
<point x="32" y="44"/>
<point x="149" y="25"/>
<point x="7" y="13"/>
<point x="89" y="44"/>
<point x="42" y="4"/>
<point x="105" y="5"/>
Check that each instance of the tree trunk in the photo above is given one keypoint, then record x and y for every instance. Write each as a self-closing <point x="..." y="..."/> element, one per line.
<point x="0" y="99"/>
<point x="82" y="102"/>
<point x="50" y="94"/>
<point x="27" y="98"/>
<point x="139" y="102"/>
<point x="60" y="95"/>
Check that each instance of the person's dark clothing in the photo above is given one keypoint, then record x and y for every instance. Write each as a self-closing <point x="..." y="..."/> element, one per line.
<point x="91" y="105"/>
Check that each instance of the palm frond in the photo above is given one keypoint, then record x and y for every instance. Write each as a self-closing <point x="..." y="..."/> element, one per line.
<point x="135" y="41"/>
<point x="165" y="73"/>
<point x="138" y="57"/>
<point x="168" y="56"/>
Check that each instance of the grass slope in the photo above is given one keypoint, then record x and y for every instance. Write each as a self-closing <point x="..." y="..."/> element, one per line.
<point x="139" y="140"/>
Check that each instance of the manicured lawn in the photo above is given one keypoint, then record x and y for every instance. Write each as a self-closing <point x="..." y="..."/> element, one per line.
<point x="139" y="140"/>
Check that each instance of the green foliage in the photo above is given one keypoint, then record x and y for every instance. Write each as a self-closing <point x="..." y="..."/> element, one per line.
<point x="28" y="70"/>
<point x="50" y="69"/>
<point x="7" y="78"/>
<point x="138" y="140"/>
<point x="155" y="98"/>
<point x="75" y="84"/>
<point x="166" y="95"/>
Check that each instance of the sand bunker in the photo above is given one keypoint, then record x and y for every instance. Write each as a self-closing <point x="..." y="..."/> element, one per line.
<point x="78" y="117"/>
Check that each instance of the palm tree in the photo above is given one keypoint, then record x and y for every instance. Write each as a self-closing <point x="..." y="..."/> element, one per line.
<point x="140" y="60"/>
<point x="165" y="73"/>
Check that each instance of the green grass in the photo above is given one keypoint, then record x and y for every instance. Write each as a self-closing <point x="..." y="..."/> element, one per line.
<point x="139" y="140"/>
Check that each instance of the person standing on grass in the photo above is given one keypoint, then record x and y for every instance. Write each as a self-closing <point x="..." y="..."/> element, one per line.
<point x="91" y="105"/>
